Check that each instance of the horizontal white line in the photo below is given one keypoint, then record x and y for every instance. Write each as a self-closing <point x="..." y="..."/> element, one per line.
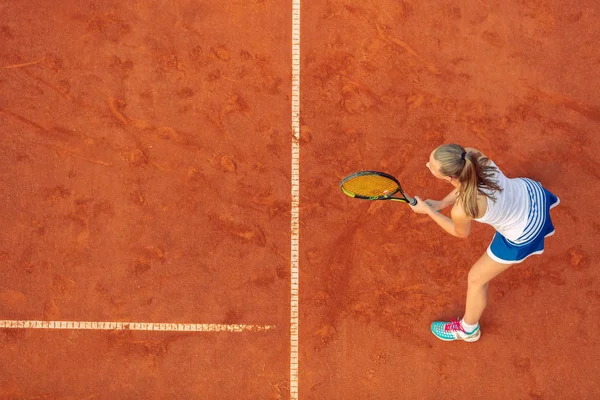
<point x="132" y="326"/>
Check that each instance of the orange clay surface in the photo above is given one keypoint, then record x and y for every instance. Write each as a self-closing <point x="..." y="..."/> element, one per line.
<point x="145" y="177"/>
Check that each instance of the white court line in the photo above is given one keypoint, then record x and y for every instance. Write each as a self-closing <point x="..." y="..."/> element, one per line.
<point x="295" y="223"/>
<point x="133" y="326"/>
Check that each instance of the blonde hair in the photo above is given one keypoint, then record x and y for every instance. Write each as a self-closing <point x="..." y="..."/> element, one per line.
<point x="471" y="171"/>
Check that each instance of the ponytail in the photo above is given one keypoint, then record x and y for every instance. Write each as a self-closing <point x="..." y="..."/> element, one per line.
<point x="472" y="172"/>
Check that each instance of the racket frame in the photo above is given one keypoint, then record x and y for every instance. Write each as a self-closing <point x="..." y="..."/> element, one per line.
<point x="406" y="199"/>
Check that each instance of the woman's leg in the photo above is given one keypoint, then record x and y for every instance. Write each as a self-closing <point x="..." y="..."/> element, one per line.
<point x="481" y="273"/>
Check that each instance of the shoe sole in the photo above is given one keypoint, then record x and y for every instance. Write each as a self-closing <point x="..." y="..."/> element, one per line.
<point x="471" y="338"/>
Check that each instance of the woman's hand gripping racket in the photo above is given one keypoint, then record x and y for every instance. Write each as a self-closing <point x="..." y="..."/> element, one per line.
<point x="373" y="185"/>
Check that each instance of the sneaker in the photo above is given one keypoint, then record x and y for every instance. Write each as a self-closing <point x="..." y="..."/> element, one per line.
<point x="453" y="330"/>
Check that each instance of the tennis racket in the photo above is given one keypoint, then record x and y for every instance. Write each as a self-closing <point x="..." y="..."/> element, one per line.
<point x="374" y="185"/>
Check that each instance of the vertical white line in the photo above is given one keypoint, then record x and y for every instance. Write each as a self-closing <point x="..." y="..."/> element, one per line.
<point x="295" y="223"/>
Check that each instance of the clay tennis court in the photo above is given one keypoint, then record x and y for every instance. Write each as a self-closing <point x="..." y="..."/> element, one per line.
<point x="148" y="193"/>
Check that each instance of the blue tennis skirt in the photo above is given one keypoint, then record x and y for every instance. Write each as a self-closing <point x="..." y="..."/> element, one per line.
<point x="539" y="227"/>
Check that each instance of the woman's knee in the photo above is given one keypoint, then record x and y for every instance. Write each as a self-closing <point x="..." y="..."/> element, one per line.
<point x="484" y="270"/>
<point x="476" y="279"/>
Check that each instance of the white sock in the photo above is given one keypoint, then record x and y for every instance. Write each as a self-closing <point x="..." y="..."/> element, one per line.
<point x="468" y="328"/>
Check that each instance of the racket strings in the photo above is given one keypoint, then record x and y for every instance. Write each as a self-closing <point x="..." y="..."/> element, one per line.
<point x="371" y="186"/>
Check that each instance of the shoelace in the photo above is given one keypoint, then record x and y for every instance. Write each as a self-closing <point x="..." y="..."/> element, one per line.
<point x="454" y="325"/>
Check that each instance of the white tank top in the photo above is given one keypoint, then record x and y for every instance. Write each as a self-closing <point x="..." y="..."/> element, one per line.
<point x="509" y="214"/>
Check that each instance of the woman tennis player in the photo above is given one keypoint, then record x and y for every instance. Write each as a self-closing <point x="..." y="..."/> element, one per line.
<point x="517" y="208"/>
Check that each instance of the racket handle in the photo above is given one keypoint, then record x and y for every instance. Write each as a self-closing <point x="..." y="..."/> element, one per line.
<point x="412" y="201"/>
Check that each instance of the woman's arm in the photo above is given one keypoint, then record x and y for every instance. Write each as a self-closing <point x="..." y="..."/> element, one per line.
<point x="456" y="226"/>
<point x="445" y="202"/>
<point x="459" y="225"/>
<point x="450" y="198"/>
